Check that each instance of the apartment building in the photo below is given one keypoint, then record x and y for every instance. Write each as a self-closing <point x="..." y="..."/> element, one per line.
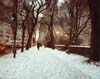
<point x="5" y="33"/>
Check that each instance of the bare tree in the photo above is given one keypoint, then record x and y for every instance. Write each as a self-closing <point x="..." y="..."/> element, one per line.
<point x="15" y="24"/>
<point x="50" y="16"/>
<point x="73" y="19"/>
<point x="38" y="6"/>
<point x="24" y="15"/>
<point x="9" y="15"/>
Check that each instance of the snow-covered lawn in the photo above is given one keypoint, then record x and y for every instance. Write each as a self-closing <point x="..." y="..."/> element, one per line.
<point x="46" y="64"/>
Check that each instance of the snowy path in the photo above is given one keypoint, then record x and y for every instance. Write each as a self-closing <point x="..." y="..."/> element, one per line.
<point x="45" y="64"/>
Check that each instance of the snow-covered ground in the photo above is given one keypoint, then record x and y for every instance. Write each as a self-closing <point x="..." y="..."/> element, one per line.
<point x="46" y="64"/>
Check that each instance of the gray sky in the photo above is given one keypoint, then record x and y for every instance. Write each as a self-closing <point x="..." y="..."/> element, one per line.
<point x="60" y="1"/>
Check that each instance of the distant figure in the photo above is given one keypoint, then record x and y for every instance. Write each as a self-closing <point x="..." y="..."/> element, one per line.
<point x="38" y="45"/>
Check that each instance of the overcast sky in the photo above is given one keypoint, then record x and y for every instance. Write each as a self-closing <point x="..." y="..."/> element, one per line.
<point x="60" y="1"/>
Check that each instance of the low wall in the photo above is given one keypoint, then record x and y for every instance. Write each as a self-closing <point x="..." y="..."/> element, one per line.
<point x="60" y="47"/>
<point x="81" y="50"/>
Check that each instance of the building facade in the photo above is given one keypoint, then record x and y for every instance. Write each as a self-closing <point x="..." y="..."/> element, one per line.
<point x="5" y="33"/>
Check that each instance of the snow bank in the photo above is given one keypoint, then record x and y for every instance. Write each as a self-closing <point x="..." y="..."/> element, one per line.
<point x="79" y="46"/>
<point x="46" y="64"/>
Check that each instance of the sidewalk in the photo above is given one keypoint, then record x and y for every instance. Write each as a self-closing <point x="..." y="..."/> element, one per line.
<point x="46" y="64"/>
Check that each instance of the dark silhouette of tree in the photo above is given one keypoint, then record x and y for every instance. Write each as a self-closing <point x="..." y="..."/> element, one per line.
<point x="95" y="37"/>
<point x="50" y="14"/>
<point x="9" y="15"/>
<point x="38" y="6"/>
<point x="15" y="25"/>
<point x="25" y="15"/>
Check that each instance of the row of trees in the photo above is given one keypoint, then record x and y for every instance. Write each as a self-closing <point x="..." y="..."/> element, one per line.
<point x="77" y="14"/>
<point x="74" y="17"/>
<point x="25" y="14"/>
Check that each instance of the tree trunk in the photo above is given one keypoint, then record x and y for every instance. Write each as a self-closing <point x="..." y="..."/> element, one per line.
<point x="28" y="45"/>
<point x="14" y="47"/>
<point x="51" y="31"/>
<point x="95" y="37"/>
<point x="52" y="39"/>
<point x="23" y="37"/>
<point x="15" y="5"/>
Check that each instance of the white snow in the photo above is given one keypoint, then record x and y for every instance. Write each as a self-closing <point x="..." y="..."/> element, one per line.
<point x="59" y="45"/>
<point x="46" y="64"/>
<point x="79" y="46"/>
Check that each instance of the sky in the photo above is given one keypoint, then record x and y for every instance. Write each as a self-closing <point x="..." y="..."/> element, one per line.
<point x="60" y="1"/>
